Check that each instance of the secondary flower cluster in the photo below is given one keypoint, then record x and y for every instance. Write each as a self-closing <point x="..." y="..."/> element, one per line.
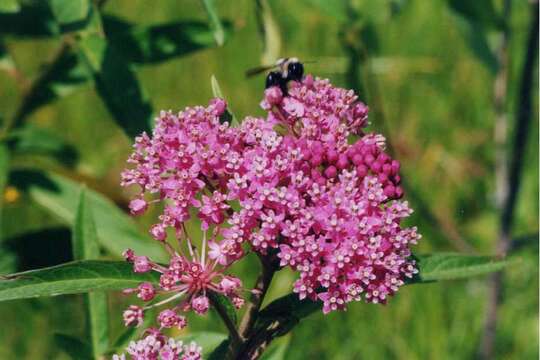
<point x="305" y="185"/>
<point x="157" y="346"/>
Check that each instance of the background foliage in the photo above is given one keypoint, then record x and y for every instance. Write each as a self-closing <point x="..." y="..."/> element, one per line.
<point x="73" y="84"/>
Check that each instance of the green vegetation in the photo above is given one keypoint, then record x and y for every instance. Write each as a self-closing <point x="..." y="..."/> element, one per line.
<point x="427" y="69"/>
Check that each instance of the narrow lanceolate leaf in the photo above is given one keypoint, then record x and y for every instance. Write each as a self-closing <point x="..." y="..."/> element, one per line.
<point x="288" y="310"/>
<point x="72" y="278"/>
<point x="476" y="38"/>
<point x="450" y="266"/>
<point x="9" y="6"/>
<point x="72" y="15"/>
<point x="30" y="139"/>
<point x="269" y="31"/>
<point x="74" y="347"/>
<point x="152" y="44"/>
<point x="85" y="247"/>
<point x="277" y="351"/>
<point x="32" y="20"/>
<point x="85" y="244"/>
<point x="116" y="230"/>
<point x="220" y="352"/>
<point x="64" y="76"/>
<point x="215" y="23"/>
<point x="481" y="12"/>
<point x="117" y="85"/>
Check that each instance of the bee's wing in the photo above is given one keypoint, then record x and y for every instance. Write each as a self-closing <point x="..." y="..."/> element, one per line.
<point x="258" y="70"/>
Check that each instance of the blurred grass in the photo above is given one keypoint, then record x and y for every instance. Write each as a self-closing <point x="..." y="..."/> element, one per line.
<point x="437" y="102"/>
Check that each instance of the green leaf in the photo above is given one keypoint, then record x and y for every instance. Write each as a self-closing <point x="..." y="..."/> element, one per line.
<point x="123" y="340"/>
<point x="277" y="350"/>
<point x="85" y="247"/>
<point x="476" y="39"/>
<point x="445" y="266"/>
<point x="33" y="140"/>
<point x="206" y="339"/>
<point x="224" y="303"/>
<point x="117" y="85"/>
<point x="220" y="352"/>
<point x="480" y="12"/>
<point x="65" y="76"/>
<point x="153" y="44"/>
<point x="9" y="6"/>
<point x="72" y="15"/>
<point x="450" y="266"/>
<point x="215" y="23"/>
<point x="270" y="33"/>
<point x="227" y="116"/>
<point x="289" y="305"/>
<point x="116" y="230"/>
<point x="33" y="20"/>
<point x="72" y="278"/>
<point x="85" y="244"/>
<point x="74" y="347"/>
<point x="216" y="89"/>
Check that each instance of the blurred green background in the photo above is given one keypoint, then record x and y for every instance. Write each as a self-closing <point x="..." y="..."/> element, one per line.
<point x="427" y="71"/>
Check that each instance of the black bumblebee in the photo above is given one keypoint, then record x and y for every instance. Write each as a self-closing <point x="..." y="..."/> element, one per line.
<point x="288" y="69"/>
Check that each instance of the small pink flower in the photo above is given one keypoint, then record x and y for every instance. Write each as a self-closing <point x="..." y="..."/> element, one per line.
<point x="133" y="316"/>
<point x="146" y="291"/>
<point x="219" y="104"/>
<point x="158" y="232"/>
<point x="230" y="284"/>
<point x="293" y="107"/>
<point x="141" y="264"/>
<point x="238" y="302"/>
<point x="169" y="318"/>
<point x="217" y="252"/>
<point x="138" y="206"/>
<point x="273" y="95"/>
<point x="200" y="304"/>
<point x="192" y="352"/>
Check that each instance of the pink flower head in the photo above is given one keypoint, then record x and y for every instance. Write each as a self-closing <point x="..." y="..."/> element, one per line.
<point x="200" y="304"/>
<point x="133" y="316"/>
<point x="306" y="183"/>
<point x="157" y="346"/>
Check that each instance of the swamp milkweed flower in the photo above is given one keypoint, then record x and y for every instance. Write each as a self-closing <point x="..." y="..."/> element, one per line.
<point x="305" y="186"/>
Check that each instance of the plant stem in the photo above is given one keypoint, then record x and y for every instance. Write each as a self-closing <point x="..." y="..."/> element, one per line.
<point x="252" y="308"/>
<point x="229" y="323"/>
<point x="257" y="296"/>
<point x="509" y="180"/>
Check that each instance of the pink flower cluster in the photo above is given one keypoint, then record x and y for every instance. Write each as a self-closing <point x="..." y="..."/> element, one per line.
<point x="157" y="346"/>
<point x="306" y="184"/>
